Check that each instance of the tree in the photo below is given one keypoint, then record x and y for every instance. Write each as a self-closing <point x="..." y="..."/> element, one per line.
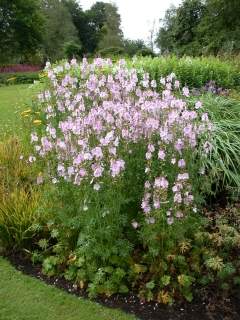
<point x="59" y="29"/>
<point x="112" y="35"/>
<point x="80" y="21"/>
<point x="166" y="35"/>
<point x="21" y="29"/>
<point x="133" y="47"/>
<point x="199" y="27"/>
<point x="219" y="28"/>
<point x="179" y="31"/>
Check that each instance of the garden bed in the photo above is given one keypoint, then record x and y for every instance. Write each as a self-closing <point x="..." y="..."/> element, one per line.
<point x="208" y="306"/>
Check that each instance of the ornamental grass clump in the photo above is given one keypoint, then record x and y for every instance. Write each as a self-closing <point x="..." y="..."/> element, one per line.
<point x="125" y="163"/>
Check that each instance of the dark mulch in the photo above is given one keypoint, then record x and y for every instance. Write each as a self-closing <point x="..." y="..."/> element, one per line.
<point x="211" y="307"/>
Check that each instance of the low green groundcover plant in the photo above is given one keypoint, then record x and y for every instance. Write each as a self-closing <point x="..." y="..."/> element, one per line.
<point x="125" y="158"/>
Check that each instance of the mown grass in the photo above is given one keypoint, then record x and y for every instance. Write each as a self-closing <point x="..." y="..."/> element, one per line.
<point x="25" y="298"/>
<point x="13" y="99"/>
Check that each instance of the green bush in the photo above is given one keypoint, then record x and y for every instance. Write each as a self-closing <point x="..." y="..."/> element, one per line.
<point x="100" y="239"/>
<point x="18" y="78"/>
<point x="112" y="51"/>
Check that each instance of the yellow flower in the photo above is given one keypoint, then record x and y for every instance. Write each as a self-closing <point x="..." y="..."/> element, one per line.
<point x="11" y="79"/>
<point x="37" y="122"/>
<point x="25" y="112"/>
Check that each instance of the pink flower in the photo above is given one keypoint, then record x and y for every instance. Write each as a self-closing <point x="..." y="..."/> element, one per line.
<point x="97" y="170"/>
<point x="177" y="198"/>
<point x="151" y="148"/>
<point x="176" y="84"/>
<point x="147" y="185"/>
<point x="182" y="176"/>
<point x="34" y="137"/>
<point x="181" y="163"/>
<point x="161" y="154"/>
<point x="179" y="214"/>
<point x="198" y="105"/>
<point x="161" y="182"/>
<point x="156" y="204"/>
<point x="97" y="153"/>
<point x="145" y="206"/>
<point x="148" y="155"/>
<point x="116" y="166"/>
<point x="185" y="91"/>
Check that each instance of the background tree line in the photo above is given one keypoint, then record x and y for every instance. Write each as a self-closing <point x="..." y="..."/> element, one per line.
<point x="36" y="30"/>
<point x="200" y="27"/>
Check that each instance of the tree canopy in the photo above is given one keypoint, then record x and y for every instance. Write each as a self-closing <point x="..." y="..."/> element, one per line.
<point x="201" y="27"/>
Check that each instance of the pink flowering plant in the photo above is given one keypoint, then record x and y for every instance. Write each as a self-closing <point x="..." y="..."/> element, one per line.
<point x="125" y="158"/>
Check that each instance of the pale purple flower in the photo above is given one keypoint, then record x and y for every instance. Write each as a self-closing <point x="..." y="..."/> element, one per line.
<point x="148" y="155"/>
<point x="183" y="176"/>
<point x="116" y="166"/>
<point x="151" y="148"/>
<point x="179" y="214"/>
<point x="181" y="163"/>
<point x="161" y="182"/>
<point x="97" y="170"/>
<point x="147" y="185"/>
<point x="161" y="154"/>
<point x="176" y="84"/>
<point x="177" y="197"/>
<point x="198" y="105"/>
<point x="185" y="91"/>
<point x="34" y="137"/>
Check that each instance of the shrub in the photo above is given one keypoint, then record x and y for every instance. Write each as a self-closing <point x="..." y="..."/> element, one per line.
<point x="111" y="52"/>
<point x="72" y="49"/>
<point x="18" y="78"/>
<point x="124" y="162"/>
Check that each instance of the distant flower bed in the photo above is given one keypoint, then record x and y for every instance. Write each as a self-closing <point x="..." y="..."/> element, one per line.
<point x="20" y="68"/>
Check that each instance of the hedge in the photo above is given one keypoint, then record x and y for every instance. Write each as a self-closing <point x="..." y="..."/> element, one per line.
<point x="18" y="78"/>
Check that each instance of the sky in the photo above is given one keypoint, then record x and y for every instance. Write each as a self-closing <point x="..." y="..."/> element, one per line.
<point x="137" y="15"/>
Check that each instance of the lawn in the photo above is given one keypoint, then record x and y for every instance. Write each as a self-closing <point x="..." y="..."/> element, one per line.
<point x="26" y="298"/>
<point x="12" y="101"/>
